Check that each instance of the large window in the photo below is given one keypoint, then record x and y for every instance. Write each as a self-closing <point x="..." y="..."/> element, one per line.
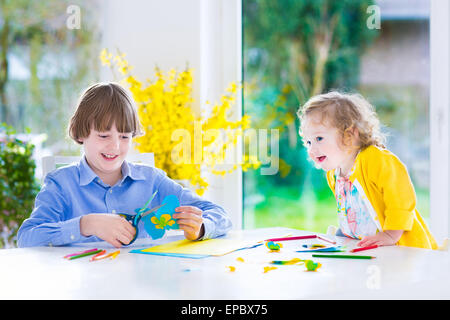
<point x="49" y="54"/>
<point x="295" y="49"/>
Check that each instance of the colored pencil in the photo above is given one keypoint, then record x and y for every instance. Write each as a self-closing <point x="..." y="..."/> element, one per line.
<point x="292" y="238"/>
<point x="325" y="239"/>
<point x="78" y="253"/>
<point x="313" y="236"/>
<point x="111" y="255"/>
<point x="94" y="258"/>
<point x="284" y="236"/>
<point x="364" y="248"/>
<point x="343" y="256"/>
<point x="84" y="254"/>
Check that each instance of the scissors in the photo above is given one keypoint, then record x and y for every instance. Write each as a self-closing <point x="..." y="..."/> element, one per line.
<point x="136" y="218"/>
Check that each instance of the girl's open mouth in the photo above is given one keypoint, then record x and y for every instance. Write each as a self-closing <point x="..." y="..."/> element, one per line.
<point x="321" y="158"/>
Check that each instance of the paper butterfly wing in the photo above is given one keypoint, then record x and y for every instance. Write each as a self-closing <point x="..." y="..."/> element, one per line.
<point x="157" y="223"/>
<point x="171" y="202"/>
<point x="151" y="228"/>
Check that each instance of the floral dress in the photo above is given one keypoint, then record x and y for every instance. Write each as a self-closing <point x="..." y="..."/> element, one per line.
<point x="355" y="220"/>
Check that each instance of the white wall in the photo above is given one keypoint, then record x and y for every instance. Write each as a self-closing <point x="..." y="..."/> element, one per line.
<point x="153" y="33"/>
<point x="170" y="33"/>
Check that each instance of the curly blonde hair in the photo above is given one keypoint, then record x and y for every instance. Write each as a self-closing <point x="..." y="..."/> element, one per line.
<point x="345" y="112"/>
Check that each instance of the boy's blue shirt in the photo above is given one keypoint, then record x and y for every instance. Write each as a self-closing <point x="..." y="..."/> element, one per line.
<point x="73" y="191"/>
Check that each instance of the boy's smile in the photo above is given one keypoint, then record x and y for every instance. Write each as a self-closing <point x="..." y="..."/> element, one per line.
<point x="105" y="153"/>
<point x="109" y="157"/>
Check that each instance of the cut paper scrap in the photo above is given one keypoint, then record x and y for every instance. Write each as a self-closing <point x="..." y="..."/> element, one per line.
<point x="273" y="246"/>
<point x="231" y="268"/>
<point x="190" y="269"/>
<point x="315" y="245"/>
<point x="444" y="246"/>
<point x="312" y="266"/>
<point x="267" y="269"/>
<point x="325" y="249"/>
<point x="196" y="249"/>
<point x="156" y="224"/>
<point x="309" y="264"/>
<point x="288" y="262"/>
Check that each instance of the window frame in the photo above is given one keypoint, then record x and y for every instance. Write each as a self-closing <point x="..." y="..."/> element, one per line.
<point x="221" y="63"/>
<point x="439" y="118"/>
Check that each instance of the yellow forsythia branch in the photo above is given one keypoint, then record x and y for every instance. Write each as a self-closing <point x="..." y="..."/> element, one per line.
<point x="165" y="111"/>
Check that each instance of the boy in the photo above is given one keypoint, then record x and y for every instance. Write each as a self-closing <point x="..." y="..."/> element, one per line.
<point x="79" y="202"/>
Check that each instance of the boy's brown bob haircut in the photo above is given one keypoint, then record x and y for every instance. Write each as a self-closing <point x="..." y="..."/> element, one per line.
<point x="101" y="106"/>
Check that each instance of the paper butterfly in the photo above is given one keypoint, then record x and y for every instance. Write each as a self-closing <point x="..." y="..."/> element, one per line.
<point x="157" y="223"/>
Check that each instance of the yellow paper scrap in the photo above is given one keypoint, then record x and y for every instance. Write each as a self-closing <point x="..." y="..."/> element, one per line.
<point x="231" y="268"/>
<point x="267" y="269"/>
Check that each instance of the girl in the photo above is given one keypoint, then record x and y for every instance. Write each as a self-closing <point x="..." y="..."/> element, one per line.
<point x="375" y="196"/>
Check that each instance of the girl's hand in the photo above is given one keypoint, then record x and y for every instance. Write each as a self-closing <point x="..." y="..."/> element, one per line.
<point x="190" y="220"/>
<point x="112" y="228"/>
<point x="385" y="238"/>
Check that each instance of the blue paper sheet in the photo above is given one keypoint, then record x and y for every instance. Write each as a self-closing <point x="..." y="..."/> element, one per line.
<point x="177" y="255"/>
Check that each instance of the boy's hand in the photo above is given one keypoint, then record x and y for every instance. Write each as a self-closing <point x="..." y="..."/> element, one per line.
<point x="190" y="220"/>
<point x="385" y="238"/>
<point x="112" y="228"/>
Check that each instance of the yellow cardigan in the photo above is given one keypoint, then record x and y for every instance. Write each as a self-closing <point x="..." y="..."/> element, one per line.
<point x="389" y="193"/>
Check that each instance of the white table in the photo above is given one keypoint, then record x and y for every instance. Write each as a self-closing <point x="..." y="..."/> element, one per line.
<point x="396" y="273"/>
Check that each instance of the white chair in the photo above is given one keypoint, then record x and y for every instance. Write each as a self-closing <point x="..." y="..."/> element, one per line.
<point x="50" y="163"/>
